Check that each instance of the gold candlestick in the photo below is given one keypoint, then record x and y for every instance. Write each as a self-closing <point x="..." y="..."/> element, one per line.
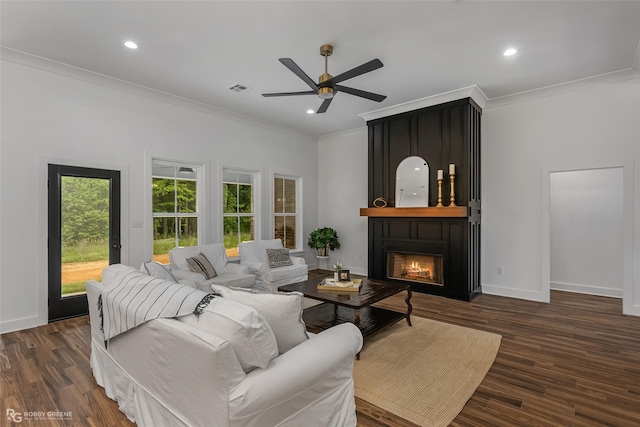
<point x="440" y="205"/>
<point x="452" y="197"/>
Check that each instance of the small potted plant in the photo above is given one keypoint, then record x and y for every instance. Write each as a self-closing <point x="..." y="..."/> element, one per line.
<point x="337" y="267"/>
<point x="323" y="240"/>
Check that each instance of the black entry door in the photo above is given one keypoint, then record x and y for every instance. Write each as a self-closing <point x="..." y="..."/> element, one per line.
<point x="84" y="233"/>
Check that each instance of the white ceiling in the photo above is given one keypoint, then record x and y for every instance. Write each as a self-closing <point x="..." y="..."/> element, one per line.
<point x="197" y="50"/>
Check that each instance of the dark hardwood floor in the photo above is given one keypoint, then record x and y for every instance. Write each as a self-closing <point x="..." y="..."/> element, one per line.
<point x="573" y="362"/>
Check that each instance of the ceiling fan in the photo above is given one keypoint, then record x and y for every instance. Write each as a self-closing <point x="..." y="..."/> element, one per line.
<point x="328" y="86"/>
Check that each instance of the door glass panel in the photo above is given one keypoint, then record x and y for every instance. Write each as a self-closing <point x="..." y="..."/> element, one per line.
<point x="85" y="231"/>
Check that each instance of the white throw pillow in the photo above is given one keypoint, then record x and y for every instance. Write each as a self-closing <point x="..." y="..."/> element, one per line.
<point x="282" y="310"/>
<point x="242" y="326"/>
<point x="157" y="270"/>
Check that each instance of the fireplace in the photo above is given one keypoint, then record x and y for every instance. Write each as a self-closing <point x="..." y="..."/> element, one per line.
<point x="414" y="267"/>
<point x="442" y="135"/>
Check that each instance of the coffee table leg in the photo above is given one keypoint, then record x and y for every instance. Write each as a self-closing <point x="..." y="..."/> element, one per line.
<point x="409" y="307"/>
<point x="356" y="319"/>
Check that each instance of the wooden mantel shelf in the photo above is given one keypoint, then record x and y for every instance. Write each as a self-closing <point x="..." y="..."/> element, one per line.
<point x="444" y="212"/>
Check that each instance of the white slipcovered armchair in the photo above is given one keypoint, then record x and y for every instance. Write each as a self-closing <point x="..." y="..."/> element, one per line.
<point x="228" y="274"/>
<point x="253" y="254"/>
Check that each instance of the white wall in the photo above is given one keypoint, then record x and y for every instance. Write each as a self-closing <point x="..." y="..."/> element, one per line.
<point x="522" y="142"/>
<point x="47" y="116"/>
<point x="342" y="191"/>
<point x="523" y="139"/>
<point x="586" y="231"/>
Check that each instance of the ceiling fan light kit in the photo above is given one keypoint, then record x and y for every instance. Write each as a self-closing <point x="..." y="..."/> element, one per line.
<point x="328" y="86"/>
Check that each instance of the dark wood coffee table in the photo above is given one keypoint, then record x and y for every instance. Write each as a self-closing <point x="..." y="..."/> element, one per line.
<point x="352" y="307"/>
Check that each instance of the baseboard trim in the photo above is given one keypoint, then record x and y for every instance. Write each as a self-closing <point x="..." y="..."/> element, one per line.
<point x="586" y="289"/>
<point x="20" y="324"/>
<point x="514" y="293"/>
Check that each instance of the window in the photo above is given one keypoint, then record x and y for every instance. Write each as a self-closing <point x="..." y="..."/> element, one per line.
<point x="174" y="207"/>
<point x="239" y="208"/>
<point x="286" y="217"/>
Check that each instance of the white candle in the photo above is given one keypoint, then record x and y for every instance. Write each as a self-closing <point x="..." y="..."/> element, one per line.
<point x="440" y="174"/>
<point x="452" y="169"/>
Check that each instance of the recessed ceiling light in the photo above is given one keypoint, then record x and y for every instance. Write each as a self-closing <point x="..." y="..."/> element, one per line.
<point x="130" y="45"/>
<point x="510" y="51"/>
<point x="416" y="169"/>
<point x="310" y="111"/>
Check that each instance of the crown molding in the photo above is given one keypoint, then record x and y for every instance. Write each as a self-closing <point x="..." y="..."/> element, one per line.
<point x="344" y="133"/>
<point x="588" y="82"/>
<point x="55" y="67"/>
<point x="473" y="92"/>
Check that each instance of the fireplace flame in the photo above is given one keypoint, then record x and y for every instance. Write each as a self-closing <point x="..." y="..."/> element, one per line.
<point x="415" y="268"/>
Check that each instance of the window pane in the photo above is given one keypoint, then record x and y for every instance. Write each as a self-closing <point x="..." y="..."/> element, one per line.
<point x="188" y="231"/>
<point x="290" y="232"/>
<point x="278" y="195"/>
<point x="164" y="238"/>
<point x="231" y="235"/>
<point x="186" y="196"/>
<point x="245" y="198"/>
<point x="279" y="228"/>
<point x="246" y="228"/>
<point x="163" y="199"/>
<point x="285" y="230"/>
<point x="289" y="196"/>
<point x="229" y="198"/>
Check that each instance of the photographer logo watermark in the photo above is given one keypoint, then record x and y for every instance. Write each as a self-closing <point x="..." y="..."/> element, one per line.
<point x="18" y="416"/>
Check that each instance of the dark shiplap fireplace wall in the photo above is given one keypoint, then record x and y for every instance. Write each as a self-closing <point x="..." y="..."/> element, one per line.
<point x="441" y="134"/>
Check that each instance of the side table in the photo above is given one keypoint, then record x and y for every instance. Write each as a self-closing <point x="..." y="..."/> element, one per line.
<point x="323" y="258"/>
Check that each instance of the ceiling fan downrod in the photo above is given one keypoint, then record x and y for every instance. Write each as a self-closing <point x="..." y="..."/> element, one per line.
<point x="325" y="92"/>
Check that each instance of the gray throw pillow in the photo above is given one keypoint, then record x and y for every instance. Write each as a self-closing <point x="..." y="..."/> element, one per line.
<point x="278" y="258"/>
<point x="200" y="264"/>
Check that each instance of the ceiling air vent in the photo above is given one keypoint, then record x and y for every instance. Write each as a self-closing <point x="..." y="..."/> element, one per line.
<point x="238" y="88"/>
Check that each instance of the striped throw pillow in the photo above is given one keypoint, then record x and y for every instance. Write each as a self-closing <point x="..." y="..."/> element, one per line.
<point x="200" y="264"/>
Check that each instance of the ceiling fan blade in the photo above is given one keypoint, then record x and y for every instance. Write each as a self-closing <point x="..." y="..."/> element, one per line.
<point x="288" y="62"/>
<point x="374" y="64"/>
<point x="361" y="93"/>
<point x="308" y="92"/>
<point x="324" y="106"/>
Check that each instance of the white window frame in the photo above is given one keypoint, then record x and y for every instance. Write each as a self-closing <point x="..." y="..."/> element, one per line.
<point x="298" y="214"/>
<point x="257" y="217"/>
<point x="198" y="168"/>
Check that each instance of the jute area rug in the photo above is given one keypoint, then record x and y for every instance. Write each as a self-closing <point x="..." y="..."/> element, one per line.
<point x="424" y="373"/>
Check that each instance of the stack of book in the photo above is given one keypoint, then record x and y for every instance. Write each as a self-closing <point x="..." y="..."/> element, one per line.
<point x="332" y="285"/>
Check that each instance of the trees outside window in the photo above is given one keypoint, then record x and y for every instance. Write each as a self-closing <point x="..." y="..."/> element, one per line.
<point x="174" y="207"/>
<point x="286" y="217"/>
<point x="239" y="208"/>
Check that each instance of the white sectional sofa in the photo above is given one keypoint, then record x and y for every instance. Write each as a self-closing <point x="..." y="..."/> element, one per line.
<point x="168" y="372"/>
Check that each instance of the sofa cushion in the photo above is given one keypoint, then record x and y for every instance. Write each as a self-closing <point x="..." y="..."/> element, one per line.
<point x="278" y="258"/>
<point x="257" y="250"/>
<point x="235" y="280"/>
<point x="200" y="264"/>
<point x="282" y="273"/>
<point x="242" y="326"/>
<point x="157" y="270"/>
<point x="282" y="310"/>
